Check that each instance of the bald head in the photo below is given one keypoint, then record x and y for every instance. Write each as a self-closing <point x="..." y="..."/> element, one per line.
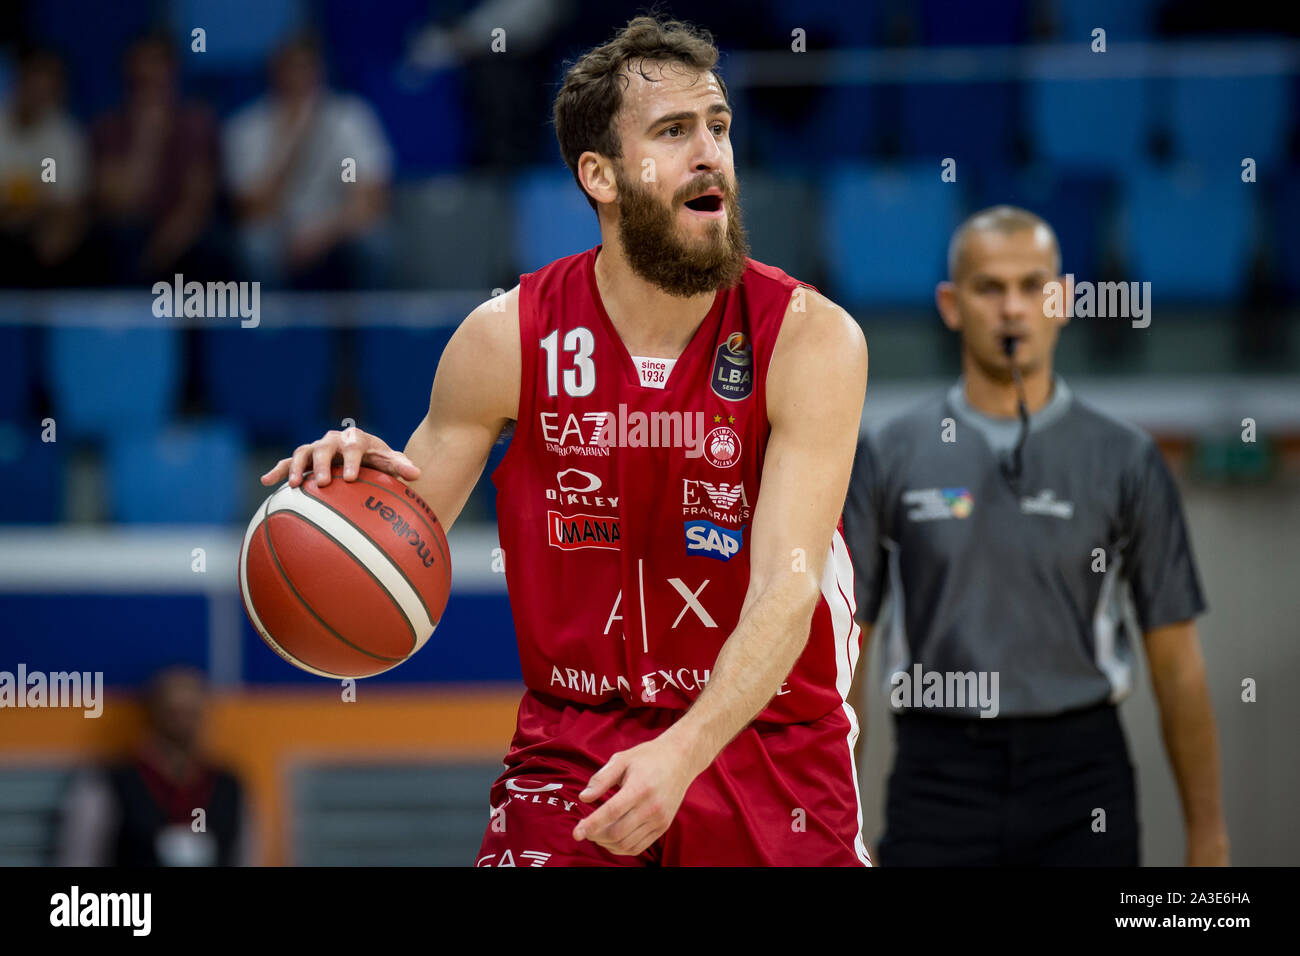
<point x="1005" y="221"/>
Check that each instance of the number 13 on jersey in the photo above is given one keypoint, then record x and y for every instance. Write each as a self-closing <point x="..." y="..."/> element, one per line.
<point x="579" y="380"/>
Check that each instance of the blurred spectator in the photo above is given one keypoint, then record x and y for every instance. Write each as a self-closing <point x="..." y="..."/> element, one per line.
<point x="155" y="172"/>
<point x="507" y="95"/>
<point x="42" y="215"/>
<point x="304" y="219"/>
<point x="141" y="811"/>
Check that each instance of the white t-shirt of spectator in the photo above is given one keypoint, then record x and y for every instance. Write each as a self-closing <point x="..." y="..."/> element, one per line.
<point x="342" y="127"/>
<point x="23" y="151"/>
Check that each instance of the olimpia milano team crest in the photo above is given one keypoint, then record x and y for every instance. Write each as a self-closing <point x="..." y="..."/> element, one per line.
<point x="733" y="368"/>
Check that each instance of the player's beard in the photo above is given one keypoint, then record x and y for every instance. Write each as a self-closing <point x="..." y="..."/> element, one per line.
<point x="649" y="232"/>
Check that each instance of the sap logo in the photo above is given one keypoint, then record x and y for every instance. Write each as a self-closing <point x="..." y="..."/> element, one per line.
<point x="708" y="539"/>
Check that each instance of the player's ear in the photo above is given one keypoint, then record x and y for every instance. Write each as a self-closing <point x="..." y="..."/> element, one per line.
<point x="598" y="178"/>
<point x="945" y="299"/>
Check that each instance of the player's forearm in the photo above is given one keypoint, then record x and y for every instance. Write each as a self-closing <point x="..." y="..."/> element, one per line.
<point x="1187" y="723"/>
<point x="751" y="666"/>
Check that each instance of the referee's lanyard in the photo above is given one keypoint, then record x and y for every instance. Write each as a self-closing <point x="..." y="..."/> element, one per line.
<point x="1012" y="467"/>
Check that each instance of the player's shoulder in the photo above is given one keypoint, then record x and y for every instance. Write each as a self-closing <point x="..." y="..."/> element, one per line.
<point x="494" y="323"/>
<point x="815" y="324"/>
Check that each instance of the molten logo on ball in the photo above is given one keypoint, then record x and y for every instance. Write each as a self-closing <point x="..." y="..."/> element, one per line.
<point x="402" y="528"/>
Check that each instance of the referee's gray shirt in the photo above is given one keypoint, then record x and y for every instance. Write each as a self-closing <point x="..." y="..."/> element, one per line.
<point x="977" y="577"/>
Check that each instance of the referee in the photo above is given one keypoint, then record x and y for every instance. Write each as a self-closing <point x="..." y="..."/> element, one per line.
<point x="1013" y="541"/>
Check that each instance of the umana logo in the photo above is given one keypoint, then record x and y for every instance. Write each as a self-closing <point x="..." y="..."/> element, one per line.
<point x="733" y="377"/>
<point x="572" y="532"/>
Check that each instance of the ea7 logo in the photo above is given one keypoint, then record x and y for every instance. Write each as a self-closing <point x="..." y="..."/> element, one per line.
<point x="572" y="433"/>
<point x="708" y="539"/>
<point x="526" y="858"/>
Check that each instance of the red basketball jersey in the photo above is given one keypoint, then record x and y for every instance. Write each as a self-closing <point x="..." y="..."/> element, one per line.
<point x="627" y="495"/>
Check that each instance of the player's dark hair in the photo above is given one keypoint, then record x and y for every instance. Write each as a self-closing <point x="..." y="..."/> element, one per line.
<point x="592" y="94"/>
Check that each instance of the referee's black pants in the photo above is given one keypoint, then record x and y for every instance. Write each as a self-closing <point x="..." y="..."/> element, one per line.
<point x="1019" y="791"/>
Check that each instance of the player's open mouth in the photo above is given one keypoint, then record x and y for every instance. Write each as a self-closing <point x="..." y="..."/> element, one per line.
<point x="710" y="204"/>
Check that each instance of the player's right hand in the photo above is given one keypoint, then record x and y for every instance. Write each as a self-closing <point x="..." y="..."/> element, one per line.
<point x="353" y="446"/>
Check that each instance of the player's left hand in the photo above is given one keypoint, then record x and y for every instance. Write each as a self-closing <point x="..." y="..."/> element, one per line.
<point x="652" y="779"/>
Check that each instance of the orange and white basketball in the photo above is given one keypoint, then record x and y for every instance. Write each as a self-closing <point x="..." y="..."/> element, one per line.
<point x="345" y="580"/>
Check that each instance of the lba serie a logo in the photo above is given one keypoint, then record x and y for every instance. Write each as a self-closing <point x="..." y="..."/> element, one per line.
<point x="733" y="368"/>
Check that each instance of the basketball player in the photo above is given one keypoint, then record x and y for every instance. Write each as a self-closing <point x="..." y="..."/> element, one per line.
<point x="682" y="595"/>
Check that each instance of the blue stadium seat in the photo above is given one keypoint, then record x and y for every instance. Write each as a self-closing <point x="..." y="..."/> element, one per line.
<point x="975" y="123"/>
<point x="31" y="475"/>
<point x="110" y="373"/>
<point x="91" y="38"/>
<point x="356" y="42"/>
<point x="1189" y="233"/>
<point x="274" y="382"/>
<point x="240" y="34"/>
<point x="945" y="23"/>
<point x="827" y="22"/>
<point x="1089" y="123"/>
<point x="552" y="218"/>
<point x="1221" y="120"/>
<point x="783" y="222"/>
<point x="1284" y="210"/>
<point x="423" y="117"/>
<point x="17" y="362"/>
<point x="181" y="474"/>
<point x="1077" y="205"/>
<point x="797" y="129"/>
<point x="1123" y="20"/>
<point x="801" y="129"/>
<point x="396" y="367"/>
<point x="887" y="233"/>
<point x="437" y="251"/>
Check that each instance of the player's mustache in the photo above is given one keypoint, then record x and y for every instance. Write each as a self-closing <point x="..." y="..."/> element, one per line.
<point x="702" y="185"/>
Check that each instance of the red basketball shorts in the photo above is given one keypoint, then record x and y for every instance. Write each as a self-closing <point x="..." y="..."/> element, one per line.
<point x="777" y="795"/>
